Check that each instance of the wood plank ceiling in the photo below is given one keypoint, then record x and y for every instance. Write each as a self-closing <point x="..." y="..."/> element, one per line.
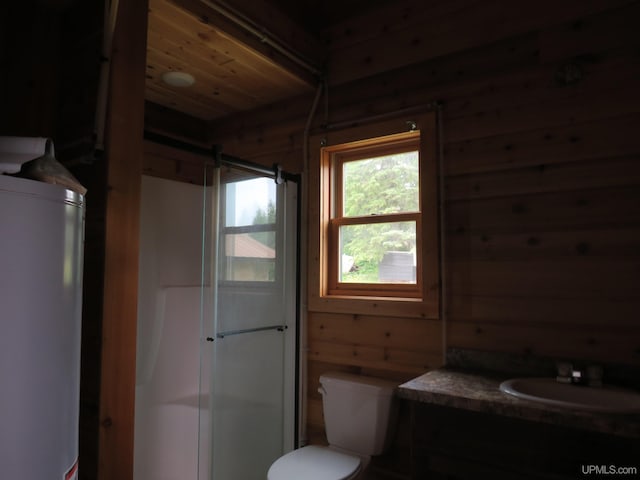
<point x="236" y="68"/>
<point x="231" y="74"/>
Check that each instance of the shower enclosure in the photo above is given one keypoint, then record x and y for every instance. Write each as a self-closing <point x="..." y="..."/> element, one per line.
<point x="217" y="375"/>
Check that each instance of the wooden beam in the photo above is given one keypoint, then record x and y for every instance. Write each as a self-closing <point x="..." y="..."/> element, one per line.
<point x="167" y="121"/>
<point x="124" y="166"/>
<point x="282" y="27"/>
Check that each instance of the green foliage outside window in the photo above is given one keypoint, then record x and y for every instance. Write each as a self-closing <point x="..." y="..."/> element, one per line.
<point x="265" y="217"/>
<point x="378" y="186"/>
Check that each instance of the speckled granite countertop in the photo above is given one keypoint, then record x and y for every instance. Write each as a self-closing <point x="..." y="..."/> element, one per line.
<point x="479" y="391"/>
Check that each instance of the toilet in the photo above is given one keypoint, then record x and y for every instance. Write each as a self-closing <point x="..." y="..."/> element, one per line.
<point x="359" y="415"/>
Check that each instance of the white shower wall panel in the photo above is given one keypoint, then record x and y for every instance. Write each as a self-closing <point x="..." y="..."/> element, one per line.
<point x="167" y="378"/>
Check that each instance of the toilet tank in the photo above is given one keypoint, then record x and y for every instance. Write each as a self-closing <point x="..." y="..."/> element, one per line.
<point x="359" y="412"/>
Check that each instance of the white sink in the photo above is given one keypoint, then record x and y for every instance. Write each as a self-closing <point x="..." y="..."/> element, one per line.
<point x="549" y="391"/>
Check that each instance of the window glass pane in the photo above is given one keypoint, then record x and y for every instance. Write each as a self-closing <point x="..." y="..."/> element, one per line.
<point x="381" y="185"/>
<point x="250" y="257"/>
<point x="378" y="253"/>
<point x="250" y="202"/>
<point x="250" y="241"/>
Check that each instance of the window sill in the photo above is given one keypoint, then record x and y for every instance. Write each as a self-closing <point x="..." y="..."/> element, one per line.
<point x="372" y="298"/>
<point x="383" y="306"/>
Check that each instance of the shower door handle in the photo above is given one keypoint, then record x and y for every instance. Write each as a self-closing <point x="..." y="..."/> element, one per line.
<point x="228" y="333"/>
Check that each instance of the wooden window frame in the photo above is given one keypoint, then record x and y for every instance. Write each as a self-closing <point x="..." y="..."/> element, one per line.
<point x="321" y="297"/>
<point x="334" y="158"/>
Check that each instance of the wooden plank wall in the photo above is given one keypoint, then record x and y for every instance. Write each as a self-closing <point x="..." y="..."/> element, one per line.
<point x="542" y="173"/>
<point x="541" y="159"/>
<point x="29" y="52"/>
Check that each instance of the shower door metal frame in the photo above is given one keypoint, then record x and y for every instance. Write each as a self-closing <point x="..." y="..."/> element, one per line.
<point x="279" y="177"/>
<point x="218" y="158"/>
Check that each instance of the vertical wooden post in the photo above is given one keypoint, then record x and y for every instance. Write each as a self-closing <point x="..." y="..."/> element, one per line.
<point x="124" y="149"/>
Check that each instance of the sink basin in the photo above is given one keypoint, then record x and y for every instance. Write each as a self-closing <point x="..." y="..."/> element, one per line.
<point x="551" y="392"/>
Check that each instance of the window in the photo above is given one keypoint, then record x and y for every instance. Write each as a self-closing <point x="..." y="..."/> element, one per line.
<point x="374" y="225"/>
<point x="249" y="226"/>
<point x="378" y="215"/>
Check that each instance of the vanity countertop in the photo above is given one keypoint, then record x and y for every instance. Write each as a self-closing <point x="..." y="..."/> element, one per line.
<point x="479" y="391"/>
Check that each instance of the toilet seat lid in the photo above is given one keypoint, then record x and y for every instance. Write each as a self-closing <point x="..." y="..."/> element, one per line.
<point x="314" y="463"/>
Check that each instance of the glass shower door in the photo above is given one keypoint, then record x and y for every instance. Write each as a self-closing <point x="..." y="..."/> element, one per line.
<point x="249" y="327"/>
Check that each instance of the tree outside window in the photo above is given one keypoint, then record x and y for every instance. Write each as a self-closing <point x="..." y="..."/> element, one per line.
<point x="374" y="227"/>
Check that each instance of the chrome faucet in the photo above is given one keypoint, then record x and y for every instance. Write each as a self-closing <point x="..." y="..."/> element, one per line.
<point x="578" y="376"/>
<point x="591" y="376"/>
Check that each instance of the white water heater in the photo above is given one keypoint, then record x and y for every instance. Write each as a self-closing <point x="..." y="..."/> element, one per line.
<point x="41" y="251"/>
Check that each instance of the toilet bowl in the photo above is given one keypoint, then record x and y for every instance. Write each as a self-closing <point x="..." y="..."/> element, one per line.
<point x="359" y="412"/>
<point x="315" y="463"/>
